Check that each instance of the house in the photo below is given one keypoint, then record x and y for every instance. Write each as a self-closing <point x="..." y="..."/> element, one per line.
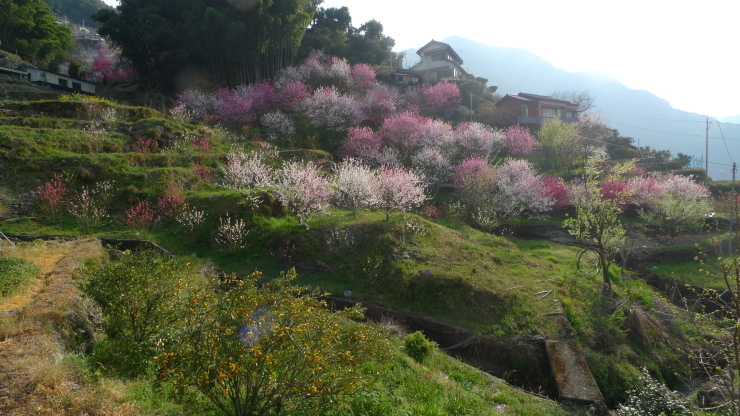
<point x="57" y="81"/>
<point x="533" y="110"/>
<point x="439" y="62"/>
<point x="8" y="73"/>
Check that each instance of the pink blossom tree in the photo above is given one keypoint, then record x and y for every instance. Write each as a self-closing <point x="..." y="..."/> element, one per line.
<point x="363" y="76"/>
<point x="303" y="190"/>
<point x="380" y="102"/>
<point x="555" y="188"/>
<point x="435" y="167"/>
<point x="442" y="98"/>
<point x="398" y="190"/>
<point x="51" y="195"/>
<point x="292" y="94"/>
<point x="141" y="216"/>
<point x="172" y="202"/>
<point x="354" y="185"/>
<point x="361" y="143"/>
<point x="403" y="132"/>
<point x="519" y="141"/>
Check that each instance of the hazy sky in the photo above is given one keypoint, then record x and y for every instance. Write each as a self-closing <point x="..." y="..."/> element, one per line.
<point x="686" y="52"/>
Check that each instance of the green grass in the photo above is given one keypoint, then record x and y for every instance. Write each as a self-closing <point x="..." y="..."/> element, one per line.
<point x="14" y="274"/>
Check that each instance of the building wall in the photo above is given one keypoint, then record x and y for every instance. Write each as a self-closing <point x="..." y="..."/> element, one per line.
<point x="60" y="81"/>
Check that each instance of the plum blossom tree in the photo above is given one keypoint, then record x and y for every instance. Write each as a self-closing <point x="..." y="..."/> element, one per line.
<point x="438" y="134"/>
<point x="328" y="108"/>
<point x="198" y="103"/>
<point x="280" y="126"/>
<point x="380" y="102"/>
<point x="246" y="103"/>
<point x="398" y="190"/>
<point x="51" y="195"/>
<point x="362" y="143"/>
<point x="354" y="185"/>
<point x="88" y="205"/>
<point x="292" y="94"/>
<point x="362" y="76"/>
<point x="434" y="166"/>
<point x="519" y="141"/>
<point x="478" y="140"/>
<point x="403" y="132"/>
<point x="555" y="188"/>
<point x="247" y="171"/>
<point x="303" y="190"/>
<point x="442" y="98"/>
<point x="673" y="203"/>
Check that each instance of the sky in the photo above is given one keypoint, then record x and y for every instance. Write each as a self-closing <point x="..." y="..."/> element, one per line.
<point x="685" y="52"/>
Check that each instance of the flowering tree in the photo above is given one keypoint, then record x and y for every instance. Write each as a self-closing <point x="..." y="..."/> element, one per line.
<point x="197" y="103"/>
<point x="280" y="126"/>
<point x="292" y="94"/>
<point x="354" y="185"/>
<point x="398" y="189"/>
<point x="442" y="98"/>
<point x="303" y="190"/>
<point x="88" y="206"/>
<point x="172" y="202"/>
<point x="52" y="194"/>
<point x="141" y="216"/>
<point x="403" y="132"/>
<point x="597" y="217"/>
<point x="434" y="166"/>
<point x="190" y="218"/>
<point x="247" y="171"/>
<point x="362" y="143"/>
<point x="673" y="203"/>
<point x="271" y="349"/>
<point x="246" y="103"/>
<point x="519" y="140"/>
<point x="555" y="188"/>
<point x="328" y="108"/>
<point x="231" y="234"/>
<point x="363" y="76"/>
<point x="478" y="140"/>
<point x="380" y="102"/>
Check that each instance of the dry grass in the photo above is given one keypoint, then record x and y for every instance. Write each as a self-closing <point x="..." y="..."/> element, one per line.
<point x="35" y="377"/>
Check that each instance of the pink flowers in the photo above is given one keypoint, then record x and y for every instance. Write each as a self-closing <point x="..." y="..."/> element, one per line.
<point x="141" y="216"/>
<point x="519" y="141"/>
<point x="398" y="190"/>
<point x="51" y="194"/>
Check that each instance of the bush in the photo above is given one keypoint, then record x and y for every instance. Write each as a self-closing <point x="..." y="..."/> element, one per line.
<point x="14" y="273"/>
<point x="140" y="296"/>
<point x="654" y="398"/>
<point x="274" y="349"/>
<point x="417" y="346"/>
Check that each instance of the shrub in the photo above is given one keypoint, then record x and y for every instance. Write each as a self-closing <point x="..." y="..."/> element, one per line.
<point x="140" y="296"/>
<point x="272" y="349"/>
<point x="654" y="398"/>
<point x="417" y="346"/>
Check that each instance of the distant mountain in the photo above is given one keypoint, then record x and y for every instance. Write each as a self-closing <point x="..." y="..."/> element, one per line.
<point x="639" y="114"/>
<point x="731" y="119"/>
<point x="77" y="11"/>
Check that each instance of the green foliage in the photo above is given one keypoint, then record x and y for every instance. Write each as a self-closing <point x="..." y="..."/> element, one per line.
<point x="78" y="11"/>
<point x="233" y="42"/>
<point x="30" y="28"/>
<point x="14" y="273"/>
<point x="269" y="349"/>
<point x="141" y="296"/>
<point x="417" y="346"/>
<point x="557" y="141"/>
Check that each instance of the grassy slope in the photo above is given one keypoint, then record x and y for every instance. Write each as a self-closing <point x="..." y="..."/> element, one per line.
<point x="498" y="286"/>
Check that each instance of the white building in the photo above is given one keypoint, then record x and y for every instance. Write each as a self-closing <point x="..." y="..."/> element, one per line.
<point x="57" y="81"/>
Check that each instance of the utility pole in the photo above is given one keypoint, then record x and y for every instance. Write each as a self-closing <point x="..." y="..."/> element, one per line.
<point x="706" y="157"/>
<point x="733" y="202"/>
<point x="471" y="106"/>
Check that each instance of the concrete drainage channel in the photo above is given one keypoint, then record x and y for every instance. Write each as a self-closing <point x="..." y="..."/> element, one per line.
<point x="555" y="368"/>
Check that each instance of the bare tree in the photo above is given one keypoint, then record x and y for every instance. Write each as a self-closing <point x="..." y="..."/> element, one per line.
<point x="584" y="99"/>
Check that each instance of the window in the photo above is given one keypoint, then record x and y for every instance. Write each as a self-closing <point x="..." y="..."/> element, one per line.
<point x="549" y="112"/>
<point x="76" y="86"/>
<point x="525" y="111"/>
<point x="62" y="82"/>
<point x="439" y="56"/>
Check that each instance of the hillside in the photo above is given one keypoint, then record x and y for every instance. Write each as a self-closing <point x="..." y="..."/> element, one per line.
<point x="77" y="11"/>
<point x="250" y="179"/>
<point x="650" y="120"/>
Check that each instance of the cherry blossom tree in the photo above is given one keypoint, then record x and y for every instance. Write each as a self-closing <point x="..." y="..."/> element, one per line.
<point x="354" y="185"/>
<point x="398" y="190"/>
<point x="519" y="141"/>
<point x="303" y="190"/>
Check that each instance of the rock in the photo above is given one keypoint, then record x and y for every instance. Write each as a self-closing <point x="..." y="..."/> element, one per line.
<point x="84" y="321"/>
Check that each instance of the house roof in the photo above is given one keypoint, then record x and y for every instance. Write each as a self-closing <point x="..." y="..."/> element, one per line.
<point x="534" y="98"/>
<point x="435" y="44"/>
<point x="24" y="68"/>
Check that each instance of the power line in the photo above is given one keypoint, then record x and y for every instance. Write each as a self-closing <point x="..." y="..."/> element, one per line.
<point x="674" y="133"/>
<point x="726" y="148"/>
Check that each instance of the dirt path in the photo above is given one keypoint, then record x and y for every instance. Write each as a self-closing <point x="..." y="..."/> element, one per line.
<point x="35" y="379"/>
